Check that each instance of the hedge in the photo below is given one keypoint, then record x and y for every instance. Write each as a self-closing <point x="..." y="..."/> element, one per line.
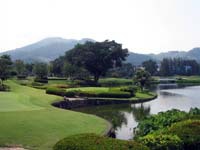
<point x="162" y="142"/>
<point x="60" y="92"/>
<point x="109" y="94"/>
<point x="189" y="132"/>
<point x="95" y="142"/>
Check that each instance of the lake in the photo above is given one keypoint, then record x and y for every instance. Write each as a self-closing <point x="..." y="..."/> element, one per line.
<point x="125" y="117"/>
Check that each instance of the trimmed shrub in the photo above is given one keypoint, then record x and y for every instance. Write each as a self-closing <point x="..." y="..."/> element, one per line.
<point x="189" y="132"/>
<point x="60" y="92"/>
<point x="4" y="87"/>
<point x="21" y="77"/>
<point x="95" y="142"/>
<point x="55" y="91"/>
<point x="162" y="142"/>
<point x="109" y="94"/>
<point x="130" y="89"/>
<point x="43" y="80"/>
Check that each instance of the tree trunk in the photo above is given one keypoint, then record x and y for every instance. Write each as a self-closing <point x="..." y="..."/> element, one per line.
<point x="96" y="78"/>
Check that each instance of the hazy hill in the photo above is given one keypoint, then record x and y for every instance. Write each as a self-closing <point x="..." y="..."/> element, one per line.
<point x="51" y="48"/>
<point x="44" y="50"/>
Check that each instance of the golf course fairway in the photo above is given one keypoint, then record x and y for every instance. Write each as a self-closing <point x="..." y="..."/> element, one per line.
<point x="27" y="119"/>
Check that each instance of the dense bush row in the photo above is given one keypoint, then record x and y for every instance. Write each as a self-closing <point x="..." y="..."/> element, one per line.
<point x="43" y="80"/>
<point x="162" y="142"/>
<point x="72" y="93"/>
<point x="60" y="92"/>
<point x="95" y="142"/>
<point x="171" y="130"/>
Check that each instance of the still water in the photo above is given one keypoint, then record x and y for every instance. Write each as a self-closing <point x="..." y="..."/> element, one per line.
<point x="125" y="117"/>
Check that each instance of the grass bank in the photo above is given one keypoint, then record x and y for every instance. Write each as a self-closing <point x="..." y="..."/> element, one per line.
<point x="29" y="120"/>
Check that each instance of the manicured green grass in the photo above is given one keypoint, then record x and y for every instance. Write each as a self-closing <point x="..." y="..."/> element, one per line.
<point x="28" y="119"/>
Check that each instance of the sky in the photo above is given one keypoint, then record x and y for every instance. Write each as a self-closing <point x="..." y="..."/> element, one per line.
<point x="142" y="26"/>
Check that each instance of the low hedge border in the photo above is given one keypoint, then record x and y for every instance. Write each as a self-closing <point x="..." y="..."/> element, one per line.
<point x="94" y="142"/>
<point x="109" y="94"/>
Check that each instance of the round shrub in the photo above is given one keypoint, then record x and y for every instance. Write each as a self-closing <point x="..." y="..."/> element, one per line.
<point x="4" y="87"/>
<point x="55" y="91"/>
<point x="162" y="142"/>
<point x="95" y="142"/>
<point x="189" y="132"/>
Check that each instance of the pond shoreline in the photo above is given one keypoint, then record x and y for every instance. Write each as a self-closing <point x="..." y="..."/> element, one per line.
<point x="85" y="102"/>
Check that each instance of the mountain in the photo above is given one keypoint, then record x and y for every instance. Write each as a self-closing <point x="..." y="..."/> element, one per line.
<point x="51" y="48"/>
<point x="45" y="50"/>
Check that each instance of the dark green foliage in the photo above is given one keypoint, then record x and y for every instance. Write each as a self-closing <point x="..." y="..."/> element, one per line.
<point x="162" y="142"/>
<point x="60" y="92"/>
<point x="5" y="67"/>
<point x="97" y="57"/>
<point x="159" y="121"/>
<point x="109" y="94"/>
<point x="186" y="126"/>
<point x="125" y="71"/>
<point x="41" y="80"/>
<point x="142" y="78"/>
<point x="179" y="66"/>
<point x="4" y="87"/>
<point x="95" y="142"/>
<point x="41" y="70"/>
<point x="189" y="132"/>
<point x="130" y="89"/>
<point x="111" y="82"/>
<point x="150" y="66"/>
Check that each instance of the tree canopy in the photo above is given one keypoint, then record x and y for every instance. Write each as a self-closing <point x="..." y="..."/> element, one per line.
<point x="150" y="66"/>
<point x="5" y="65"/>
<point x="97" y="57"/>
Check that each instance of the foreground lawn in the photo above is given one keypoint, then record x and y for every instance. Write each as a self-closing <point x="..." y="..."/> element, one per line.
<point x="28" y="119"/>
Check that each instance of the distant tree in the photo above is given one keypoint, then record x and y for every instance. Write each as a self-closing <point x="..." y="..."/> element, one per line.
<point x="41" y="70"/>
<point x="57" y="66"/>
<point x="126" y="70"/>
<point x="20" y="67"/>
<point x="29" y="68"/>
<point x="97" y="57"/>
<point x="142" y="78"/>
<point x="70" y="70"/>
<point x="150" y="66"/>
<point x="179" y="66"/>
<point x="5" y="66"/>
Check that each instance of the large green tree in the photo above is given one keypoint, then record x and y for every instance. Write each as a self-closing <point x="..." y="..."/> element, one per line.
<point x="97" y="57"/>
<point x="150" y="66"/>
<point x="5" y="66"/>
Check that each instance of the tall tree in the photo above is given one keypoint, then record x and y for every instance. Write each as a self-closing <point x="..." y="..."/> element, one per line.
<point x="20" y="67"/>
<point x="5" y="66"/>
<point x="142" y="78"/>
<point x="41" y="70"/>
<point x="97" y="57"/>
<point x="150" y="66"/>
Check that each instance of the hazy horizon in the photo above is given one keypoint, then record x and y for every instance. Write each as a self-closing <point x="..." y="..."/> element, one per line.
<point x="142" y="26"/>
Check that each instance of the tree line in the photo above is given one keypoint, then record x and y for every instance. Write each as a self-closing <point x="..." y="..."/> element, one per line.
<point x="95" y="59"/>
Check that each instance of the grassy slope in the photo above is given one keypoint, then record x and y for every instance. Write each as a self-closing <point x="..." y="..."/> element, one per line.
<point x="28" y="119"/>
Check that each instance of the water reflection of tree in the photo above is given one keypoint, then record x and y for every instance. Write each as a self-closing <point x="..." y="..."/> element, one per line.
<point x="140" y="111"/>
<point x="113" y="113"/>
<point x="116" y="113"/>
